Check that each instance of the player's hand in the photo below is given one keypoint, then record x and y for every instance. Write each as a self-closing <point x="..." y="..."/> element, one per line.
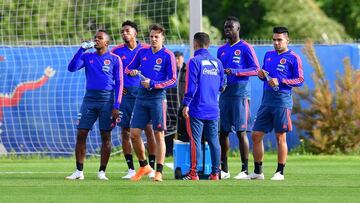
<point x="50" y="72"/>
<point x="124" y="92"/>
<point x="146" y="83"/>
<point x="115" y="113"/>
<point x="261" y="73"/>
<point x="228" y="71"/>
<point x="134" y="72"/>
<point x="185" y="112"/>
<point x="88" y="44"/>
<point x="273" y="82"/>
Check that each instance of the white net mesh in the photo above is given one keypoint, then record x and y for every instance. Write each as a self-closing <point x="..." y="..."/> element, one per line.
<point x="39" y="98"/>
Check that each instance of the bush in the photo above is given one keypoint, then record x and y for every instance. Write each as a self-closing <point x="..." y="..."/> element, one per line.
<point x="330" y="123"/>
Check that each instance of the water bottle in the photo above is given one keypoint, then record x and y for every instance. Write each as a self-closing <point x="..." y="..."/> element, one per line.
<point x="275" y="88"/>
<point x="88" y="44"/>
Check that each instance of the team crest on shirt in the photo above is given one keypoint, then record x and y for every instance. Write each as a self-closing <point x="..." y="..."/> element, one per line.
<point x="107" y="62"/>
<point x="237" y="52"/>
<point x="158" y="61"/>
<point x="282" y="61"/>
<point x="144" y="59"/>
<point x="123" y="57"/>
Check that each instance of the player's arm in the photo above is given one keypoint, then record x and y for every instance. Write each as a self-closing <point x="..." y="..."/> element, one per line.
<point x="297" y="73"/>
<point x="252" y="64"/>
<point x="171" y="74"/>
<point x="77" y="62"/>
<point x="222" y="78"/>
<point x="191" y="85"/>
<point x="119" y="82"/>
<point x="132" y="68"/>
<point x="262" y="72"/>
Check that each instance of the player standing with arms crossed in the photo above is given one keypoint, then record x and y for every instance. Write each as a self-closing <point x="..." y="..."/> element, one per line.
<point x="127" y="52"/>
<point x="157" y="64"/>
<point x="282" y="70"/>
<point x="240" y="62"/>
<point x="104" y="85"/>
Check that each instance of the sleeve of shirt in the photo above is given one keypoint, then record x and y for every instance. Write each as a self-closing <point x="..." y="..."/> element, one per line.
<point x="171" y="75"/>
<point x="191" y="82"/>
<point x="135" y="63"/>
<point x="119" y="82"/>
<point x="77" y="62"/>
<point x="221" y="71"/>
<point x="251" y="61"/>
<point x="297" y="78"/>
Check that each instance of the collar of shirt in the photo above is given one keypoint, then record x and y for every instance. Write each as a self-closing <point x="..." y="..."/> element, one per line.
<point x="201" y="52"/>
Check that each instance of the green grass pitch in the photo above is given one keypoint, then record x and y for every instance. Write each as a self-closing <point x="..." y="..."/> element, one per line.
<point x="307" y="179"/>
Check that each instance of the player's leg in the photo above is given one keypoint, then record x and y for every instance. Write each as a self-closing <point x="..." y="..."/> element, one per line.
<point x="158" y="118"/>
<point x="282" y="125"/>
<point x="263" y="124"/>
<point x="151" y="145"/>
<point x="86" y="119"/>
<point x="242" y="120"/>
<point x="104" y="153"/>
<point x="226" y="119"/>
<point x="127" y="150"/>
<point x="194" y="128"/>
<point x="225" y="146"/>
<point x="141" y="118"/>
<point x="105" y="126"/>
<point x="126" y="109"/>
<point x="210" y="131"/>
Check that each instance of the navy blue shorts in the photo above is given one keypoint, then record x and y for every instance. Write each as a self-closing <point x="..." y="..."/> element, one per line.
<point x="127" y="106"/>
<point x="235" y="114"/>
<point x="153" y="110"/>
<point x="96" y="104"/>
<point x="269" y="118"/>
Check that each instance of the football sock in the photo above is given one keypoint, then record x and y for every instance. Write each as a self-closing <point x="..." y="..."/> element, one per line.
<point x="280" y="168"/>
<point x="143" y="163"/>
<point x="152" y="160"/>
<point x="159" y="168"/>
<point x="258" y="167"/>
<point x="224" y="164"/>
<point x="129" y="161"/>
<point x="79" y="166"/>
<point x="244" y="166"/>
<point x="102" y="168"/>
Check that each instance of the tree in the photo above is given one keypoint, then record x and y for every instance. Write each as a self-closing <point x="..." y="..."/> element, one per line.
<point x="330" y="122"/>
<point x="257" y="17"/>
<point x="345" y="12"/>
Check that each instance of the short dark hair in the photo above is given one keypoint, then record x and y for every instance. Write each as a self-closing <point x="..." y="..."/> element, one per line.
<point x="157" y="27"/>
<point x="202" y="39"/>
<point x="280" y="30"/>
<point x="131" y="24"/>
<point x="178" y="53"/>
<point x="233" y="18"/>
<point x="106" y="33"/>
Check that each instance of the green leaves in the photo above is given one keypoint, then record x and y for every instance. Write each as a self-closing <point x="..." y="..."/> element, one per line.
<point x="331" y="122"/>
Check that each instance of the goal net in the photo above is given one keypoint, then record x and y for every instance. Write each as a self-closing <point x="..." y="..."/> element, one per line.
<point x="39" y="98"/>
